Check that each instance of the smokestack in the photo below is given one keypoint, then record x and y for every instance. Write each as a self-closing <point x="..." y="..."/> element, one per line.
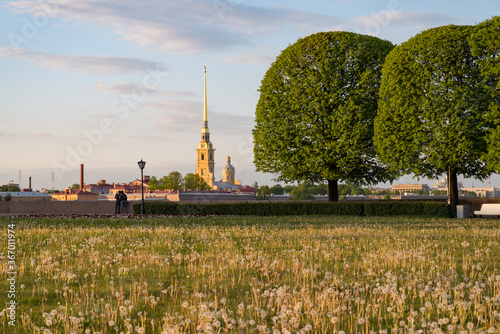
<point x="29" y="186"/>
<point x="82" y="185"/>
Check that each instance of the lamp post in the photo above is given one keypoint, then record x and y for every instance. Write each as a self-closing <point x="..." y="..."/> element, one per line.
<point x="142" y="164"/>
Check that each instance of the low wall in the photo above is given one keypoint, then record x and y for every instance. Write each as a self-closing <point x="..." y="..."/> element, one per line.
<point x="62" y="207"/>
<point x="215" y="197"/>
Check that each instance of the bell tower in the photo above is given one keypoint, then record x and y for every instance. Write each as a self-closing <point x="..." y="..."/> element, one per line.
<point x="205" y="162"/>
<point x="228" y="172"/>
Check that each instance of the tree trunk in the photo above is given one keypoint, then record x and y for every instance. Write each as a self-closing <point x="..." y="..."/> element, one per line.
<point x="452" y="192"/>
<point x="333" y="191"/>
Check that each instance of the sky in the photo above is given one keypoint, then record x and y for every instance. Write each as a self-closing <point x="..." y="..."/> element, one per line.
<point x="107" y="83"/>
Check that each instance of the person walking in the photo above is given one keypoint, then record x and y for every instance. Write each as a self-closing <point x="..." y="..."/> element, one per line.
<point x="118" y="202"/>
<point x="123" y="201"/>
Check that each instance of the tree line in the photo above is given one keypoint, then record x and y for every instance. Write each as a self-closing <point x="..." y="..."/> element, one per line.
<point x="174" y="181"/>
<point x="345" y="107"/>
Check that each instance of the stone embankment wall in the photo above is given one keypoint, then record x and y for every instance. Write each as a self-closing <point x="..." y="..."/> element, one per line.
<point x="58" y="207"/>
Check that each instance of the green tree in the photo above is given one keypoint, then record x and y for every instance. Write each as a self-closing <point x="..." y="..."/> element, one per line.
<point x="288" y="188"/>
<point x="301" y="192"/>
<point x="153" y="183"/>
<point x="264" y="192"/>
<point x="314" y="118"/>
<point x="350" y="189"/>
<point x="318" y="189"/>
<point x="173" y="181"/>
<point x="8" y="197"/>
<point x="75" y="186"/>
<point x="439" y="192"/>
<point x="277" y="189"/>
<point x="195" y="182"/>
<point x="432" y="107"/>
<point x="469" y="193"/>
<point x="484" y="42"/>
<point x="10" y="188"/>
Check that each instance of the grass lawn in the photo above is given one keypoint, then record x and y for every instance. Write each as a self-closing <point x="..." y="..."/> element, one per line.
<point x="239" y="274"/>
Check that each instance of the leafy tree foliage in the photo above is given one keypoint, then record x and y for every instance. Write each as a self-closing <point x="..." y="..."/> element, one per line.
<point x="277" y="189"/>
<point x="195" y="182"/>
<point x="469" y="193"/>
<point x="350" y="189"/>
<point x="485" y="45"/>
<point x="153" y="183"/>
<point x="432" y="107"/>
<point x="75" y="186"/>
<point x="301" y="192"/>
<point x="264" y="192"/>
<point x="173" y="181"/>
<point x="9" y="187"/>
<point x="288" y="188"/>
<point x="314" y="118"/>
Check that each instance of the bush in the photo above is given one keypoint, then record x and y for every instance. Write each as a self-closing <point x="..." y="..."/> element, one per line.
<point x="253" y="208"/>
<point x="8" y="197"/>
<point x="298" y="208"/>
<point x="401" y="208"/>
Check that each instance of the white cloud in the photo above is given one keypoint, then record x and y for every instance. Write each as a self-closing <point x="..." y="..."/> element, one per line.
<point x="184" y="116"/>
<point x="251" y="58"/>
<point x="85" y="64"/>
<point x="399" y="24"/>
<point x="120" y="88"/>
<point x="186" y="26"/>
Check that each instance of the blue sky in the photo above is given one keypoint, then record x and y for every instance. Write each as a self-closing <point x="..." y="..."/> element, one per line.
<point x="108" y="82"/>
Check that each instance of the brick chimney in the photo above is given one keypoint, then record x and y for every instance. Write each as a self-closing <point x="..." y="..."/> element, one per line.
<point x="82" y="185"/>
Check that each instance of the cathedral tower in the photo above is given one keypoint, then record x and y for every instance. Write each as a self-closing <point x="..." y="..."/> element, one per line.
<point x="228" y="172"/>
<point x="205" y="162"/>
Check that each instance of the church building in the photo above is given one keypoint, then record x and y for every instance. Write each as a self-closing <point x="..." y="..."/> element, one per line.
<point x="205" y="162"/>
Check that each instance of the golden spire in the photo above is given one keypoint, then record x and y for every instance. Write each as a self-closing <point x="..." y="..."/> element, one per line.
<point x="205" y="132"/>
<point x="205" y="116"/>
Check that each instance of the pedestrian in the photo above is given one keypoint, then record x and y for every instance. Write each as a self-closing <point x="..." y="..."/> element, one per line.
<point x="123" y="200"/>
<point x="118" y="202"/>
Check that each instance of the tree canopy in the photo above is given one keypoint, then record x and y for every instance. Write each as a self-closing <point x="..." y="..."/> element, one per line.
<point x="431" y="119"/>
<point x="485" y="45"/>
<point x="173" y="181"/>
<point x="195" y="182"/>
<point x="314" y="118"/>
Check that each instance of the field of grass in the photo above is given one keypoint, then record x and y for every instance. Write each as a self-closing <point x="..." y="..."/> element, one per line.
<point x="252" y="275"/>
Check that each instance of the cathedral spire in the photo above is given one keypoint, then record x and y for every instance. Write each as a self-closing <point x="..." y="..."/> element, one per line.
<point x="205" y="113"/>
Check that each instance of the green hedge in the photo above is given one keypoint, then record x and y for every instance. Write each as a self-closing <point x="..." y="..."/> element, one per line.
<point x="434" y="209"/>
<point x="407" y="208"/>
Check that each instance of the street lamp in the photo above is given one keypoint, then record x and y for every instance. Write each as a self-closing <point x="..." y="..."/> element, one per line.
<point x="142" y="164"/>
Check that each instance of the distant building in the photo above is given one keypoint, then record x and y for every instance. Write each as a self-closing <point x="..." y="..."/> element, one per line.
<point x="402" y="188"/>
<point x="75" y="195"/>
<point x="488" y="192"/>
<point x="27" y="196"/>
<point x="100" y="188"/>
<point x="228" y="182"/>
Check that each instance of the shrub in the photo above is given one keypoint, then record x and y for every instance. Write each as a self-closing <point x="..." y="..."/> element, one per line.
<point x="407" y="208"/>
<point x="298" y="208"/>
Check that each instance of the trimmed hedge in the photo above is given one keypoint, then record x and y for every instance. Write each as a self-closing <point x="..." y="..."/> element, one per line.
<point x="297" y="208"/>
<point x="407" y="208"/>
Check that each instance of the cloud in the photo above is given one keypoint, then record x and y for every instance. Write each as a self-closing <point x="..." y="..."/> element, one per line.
<point x="184" y="116"/>
<point x="252" y="59"/>
<point x="395" y="22"/>
<point x="85" y="64"/>
<point x="121" y="88"/>
<point x="187" y="26"/>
